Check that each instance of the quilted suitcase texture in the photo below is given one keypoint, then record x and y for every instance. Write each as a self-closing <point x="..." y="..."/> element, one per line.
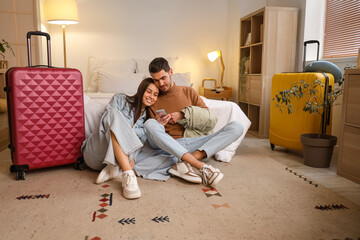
<point x="46" y="116"/>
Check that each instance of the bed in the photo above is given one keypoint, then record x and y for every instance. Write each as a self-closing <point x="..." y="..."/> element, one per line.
<point x="106" y="77"/>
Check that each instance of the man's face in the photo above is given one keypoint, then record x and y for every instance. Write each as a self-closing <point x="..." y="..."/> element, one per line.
<point x="163" y="80"/>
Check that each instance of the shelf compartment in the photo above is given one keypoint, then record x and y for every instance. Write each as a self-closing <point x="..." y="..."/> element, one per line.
<point x="253" y="115"/>
<point x="255" y="89"/>
<point x="246" y="29"/>
<point x="244" y="107"/>
<point x="256" y="59"/>
<point x="256" y="28"/>
<point x="244" y="89"/>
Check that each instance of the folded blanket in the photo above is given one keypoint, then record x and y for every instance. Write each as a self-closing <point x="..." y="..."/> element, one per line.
<point x="197" y="121"/>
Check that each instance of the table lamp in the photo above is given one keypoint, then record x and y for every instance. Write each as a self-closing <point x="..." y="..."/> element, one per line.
<point x="63" y="13"/>
<point x="212" y="56"/>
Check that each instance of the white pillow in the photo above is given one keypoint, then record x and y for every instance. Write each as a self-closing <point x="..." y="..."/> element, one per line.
<point x="142" y="65"/>
<point x="124" y="67"/>
<point x="181" y="79"/>
<point x="119" y="83"/>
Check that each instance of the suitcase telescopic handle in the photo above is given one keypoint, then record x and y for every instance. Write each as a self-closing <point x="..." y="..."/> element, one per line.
<point x="318" y="47"/>
<point x="38" y="33"/>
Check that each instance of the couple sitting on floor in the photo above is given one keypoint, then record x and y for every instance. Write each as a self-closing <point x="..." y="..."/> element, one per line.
<point x="134" y="139"/>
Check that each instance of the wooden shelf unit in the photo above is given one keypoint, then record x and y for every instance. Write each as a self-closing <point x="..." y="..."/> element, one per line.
<point x="348" y="160"/>
<point x="272" y="49"/>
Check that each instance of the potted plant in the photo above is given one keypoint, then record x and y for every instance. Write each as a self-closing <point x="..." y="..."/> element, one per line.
<point x="3" y="46"/>
<point x="319" y="99"/>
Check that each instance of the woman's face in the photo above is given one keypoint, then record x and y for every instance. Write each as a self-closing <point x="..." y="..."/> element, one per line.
<point x="150" y="95"/>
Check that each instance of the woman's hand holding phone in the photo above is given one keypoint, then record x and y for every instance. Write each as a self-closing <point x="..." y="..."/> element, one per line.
<point x="162" y="117"/>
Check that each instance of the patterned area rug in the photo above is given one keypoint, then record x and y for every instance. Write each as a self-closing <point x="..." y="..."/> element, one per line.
<point x="258" y="198"/>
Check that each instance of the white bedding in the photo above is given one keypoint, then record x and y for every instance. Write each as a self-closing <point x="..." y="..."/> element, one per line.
<point x="225" y="111"/>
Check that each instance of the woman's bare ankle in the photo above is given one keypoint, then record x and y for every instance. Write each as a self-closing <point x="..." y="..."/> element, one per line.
<point x="199" y="155"/>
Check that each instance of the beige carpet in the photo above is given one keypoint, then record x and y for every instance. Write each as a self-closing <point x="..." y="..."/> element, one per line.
<point x="257" y="199"/>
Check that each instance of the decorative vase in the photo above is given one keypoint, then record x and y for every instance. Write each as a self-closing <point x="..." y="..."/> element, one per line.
<point x="318" y="149"/>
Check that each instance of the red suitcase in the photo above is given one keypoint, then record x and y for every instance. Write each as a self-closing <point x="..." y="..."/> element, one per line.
<point x="46" y="115"/>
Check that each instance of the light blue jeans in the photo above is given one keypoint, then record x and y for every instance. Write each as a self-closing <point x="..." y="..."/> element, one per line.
<point x="211" y="144"/>
<point x="98" y="149"/>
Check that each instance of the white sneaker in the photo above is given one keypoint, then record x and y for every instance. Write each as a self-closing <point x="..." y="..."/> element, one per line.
<point x="185" y="171"/>
<point x="211" y="176"/>
<point x="109" y="172"/>
<point x="130" y="186"/>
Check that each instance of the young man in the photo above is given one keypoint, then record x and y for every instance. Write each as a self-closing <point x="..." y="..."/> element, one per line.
<point x="167" y="134"/>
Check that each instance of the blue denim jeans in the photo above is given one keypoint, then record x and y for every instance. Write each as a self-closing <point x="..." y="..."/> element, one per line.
<point x="211" y="144"/>
<point x="98" y="149"/>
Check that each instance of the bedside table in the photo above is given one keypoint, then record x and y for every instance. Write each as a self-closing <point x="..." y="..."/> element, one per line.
<point x="213" y="94"/>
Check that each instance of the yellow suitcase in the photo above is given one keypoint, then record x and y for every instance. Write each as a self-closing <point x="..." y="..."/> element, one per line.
<point x="285" y="129"/>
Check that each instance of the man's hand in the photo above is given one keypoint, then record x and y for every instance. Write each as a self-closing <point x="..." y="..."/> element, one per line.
<point x="163" y="119"/>
<point x="175" y="117"/>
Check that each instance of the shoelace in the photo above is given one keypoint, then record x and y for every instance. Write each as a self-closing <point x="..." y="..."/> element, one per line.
<point x="191" y="170"/>
<point x="206" y="175"/>
<point x="127" y="178"/>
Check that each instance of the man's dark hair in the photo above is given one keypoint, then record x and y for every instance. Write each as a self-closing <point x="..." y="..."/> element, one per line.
<point x="159" y="64"/>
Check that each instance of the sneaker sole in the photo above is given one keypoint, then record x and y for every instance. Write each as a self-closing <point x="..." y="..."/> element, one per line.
<point x="132" y="195"/>
<point x="100" y="181"/>
<point x="185" y="177"/>
<point x="217" y="180"/>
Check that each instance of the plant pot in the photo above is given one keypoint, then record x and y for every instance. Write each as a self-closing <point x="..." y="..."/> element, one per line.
<point x="318" y="149"/>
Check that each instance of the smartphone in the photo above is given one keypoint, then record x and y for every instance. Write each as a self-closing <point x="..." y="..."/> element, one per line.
<point x="162" y="111"/>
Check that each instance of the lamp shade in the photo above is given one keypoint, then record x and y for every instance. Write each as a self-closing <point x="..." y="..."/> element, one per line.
<point x="62" y="12"/>
<point x="212" y="56"/>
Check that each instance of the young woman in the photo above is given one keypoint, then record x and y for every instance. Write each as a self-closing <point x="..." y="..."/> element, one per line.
<point x="120" y="136"/>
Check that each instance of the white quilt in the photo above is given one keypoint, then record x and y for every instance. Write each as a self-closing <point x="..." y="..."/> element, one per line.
<point x="225" y="111"/>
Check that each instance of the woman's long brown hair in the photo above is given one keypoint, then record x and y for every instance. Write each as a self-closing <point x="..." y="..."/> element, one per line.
<point x="135" y="101"/>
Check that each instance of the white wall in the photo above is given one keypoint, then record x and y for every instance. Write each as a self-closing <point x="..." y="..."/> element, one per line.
<point x="123" y="29"/>
<point x="314" y="27"/>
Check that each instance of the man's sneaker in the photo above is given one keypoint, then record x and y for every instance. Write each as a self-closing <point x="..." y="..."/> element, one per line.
<point x="109" y="172"/>
<point x="185" y="171"/>
<point x="130" y="186"/>
<point x="211" y="176"/>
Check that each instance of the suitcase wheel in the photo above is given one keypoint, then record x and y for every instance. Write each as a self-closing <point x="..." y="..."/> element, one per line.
<point x="20" y="175"/>
<point x="19" y="170"/>
<point x="12" y="168"/>
<point x="272" y="146"/>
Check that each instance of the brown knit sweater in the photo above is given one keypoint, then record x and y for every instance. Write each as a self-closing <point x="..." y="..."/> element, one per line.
<point x="176" y="99"/>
